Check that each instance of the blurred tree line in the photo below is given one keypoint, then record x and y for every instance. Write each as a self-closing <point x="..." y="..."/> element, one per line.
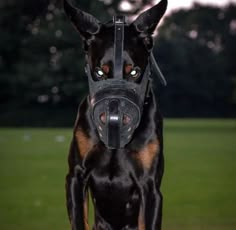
<point x="42" y="77"/>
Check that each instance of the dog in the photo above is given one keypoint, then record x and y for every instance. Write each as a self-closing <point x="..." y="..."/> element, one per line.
<point x="116" y="153"/>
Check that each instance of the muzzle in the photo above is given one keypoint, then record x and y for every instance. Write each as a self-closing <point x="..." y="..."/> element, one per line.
<point x="116" y="116"/>
<point x="116" y="111"/>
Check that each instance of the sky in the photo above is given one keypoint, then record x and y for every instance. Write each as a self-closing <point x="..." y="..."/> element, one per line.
<point x="125" y="5"/>
<point x="173" y="4"/>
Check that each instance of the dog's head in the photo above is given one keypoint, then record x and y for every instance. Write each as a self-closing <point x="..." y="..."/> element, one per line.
<point x="99" y="41"/>
<point x="117" y="56"/>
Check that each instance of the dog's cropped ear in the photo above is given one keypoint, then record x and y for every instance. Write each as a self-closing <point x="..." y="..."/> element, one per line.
<point x="148" y="20"/>
<point x="85" y="23"/>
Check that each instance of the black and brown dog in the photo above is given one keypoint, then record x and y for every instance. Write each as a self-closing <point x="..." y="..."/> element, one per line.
<point x="124" y="181"/>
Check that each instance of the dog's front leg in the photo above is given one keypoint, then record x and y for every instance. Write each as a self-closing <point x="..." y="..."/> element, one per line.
<point x="153" y="213"/>
<point x="151" y="208"/>
<point x="76" y="193"/>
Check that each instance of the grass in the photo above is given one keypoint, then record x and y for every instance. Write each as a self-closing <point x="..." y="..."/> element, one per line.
<point x="199" y="184"/>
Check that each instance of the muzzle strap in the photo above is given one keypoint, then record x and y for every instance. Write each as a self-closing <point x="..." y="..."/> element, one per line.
<point x="157" y="70"/>
<point x="119" y="22"/>
<point x="113" y="119"/>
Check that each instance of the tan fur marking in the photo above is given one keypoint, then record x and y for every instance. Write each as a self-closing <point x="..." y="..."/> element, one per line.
<point x="106" y="68"/>
<point x="84" y="143"/>
<point x="148" y="153"/>
<point x="86" y="211"/>
<point x="128" y="68"/>
<point x="141" y="223"/>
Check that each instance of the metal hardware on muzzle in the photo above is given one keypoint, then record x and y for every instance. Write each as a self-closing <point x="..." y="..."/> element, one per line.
<point x="113" y="123"/>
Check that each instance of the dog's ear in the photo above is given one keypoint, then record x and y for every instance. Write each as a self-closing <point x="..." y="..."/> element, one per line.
<point x="148" y="20"/>
<point x="85" y="23"/>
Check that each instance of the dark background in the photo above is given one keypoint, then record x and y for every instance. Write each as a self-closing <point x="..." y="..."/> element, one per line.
<point x="42" y="76"/>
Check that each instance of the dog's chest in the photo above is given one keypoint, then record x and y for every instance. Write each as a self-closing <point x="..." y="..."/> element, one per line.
<point x="112" y="177"/>
<point x="114" y="191"/>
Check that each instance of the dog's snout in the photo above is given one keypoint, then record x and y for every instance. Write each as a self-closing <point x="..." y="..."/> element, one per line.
<point x="126" y="119"/>
<point x="103" y="117"/>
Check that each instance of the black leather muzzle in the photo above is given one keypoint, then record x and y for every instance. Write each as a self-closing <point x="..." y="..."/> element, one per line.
<point x="116" y="113"/>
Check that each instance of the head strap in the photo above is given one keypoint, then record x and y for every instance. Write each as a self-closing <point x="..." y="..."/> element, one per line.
<point x="119" y="22"/>
<point x="157" y="70"/>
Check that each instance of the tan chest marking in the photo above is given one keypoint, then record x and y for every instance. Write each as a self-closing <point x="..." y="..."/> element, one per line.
<point x="84" y="143"/>
<point x="146" y="155"/>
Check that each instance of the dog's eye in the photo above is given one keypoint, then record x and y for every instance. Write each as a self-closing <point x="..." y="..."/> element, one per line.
<point x="99" y="73"/>
<point x="134" y="73"/>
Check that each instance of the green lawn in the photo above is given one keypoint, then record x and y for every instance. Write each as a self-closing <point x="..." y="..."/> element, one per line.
<point x="199" y="184"/>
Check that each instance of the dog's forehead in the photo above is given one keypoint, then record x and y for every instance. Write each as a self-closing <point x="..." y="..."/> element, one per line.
<point x="107" y="32"/>
<point x="102" y="46"/>
<point x="109" y="55"/>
